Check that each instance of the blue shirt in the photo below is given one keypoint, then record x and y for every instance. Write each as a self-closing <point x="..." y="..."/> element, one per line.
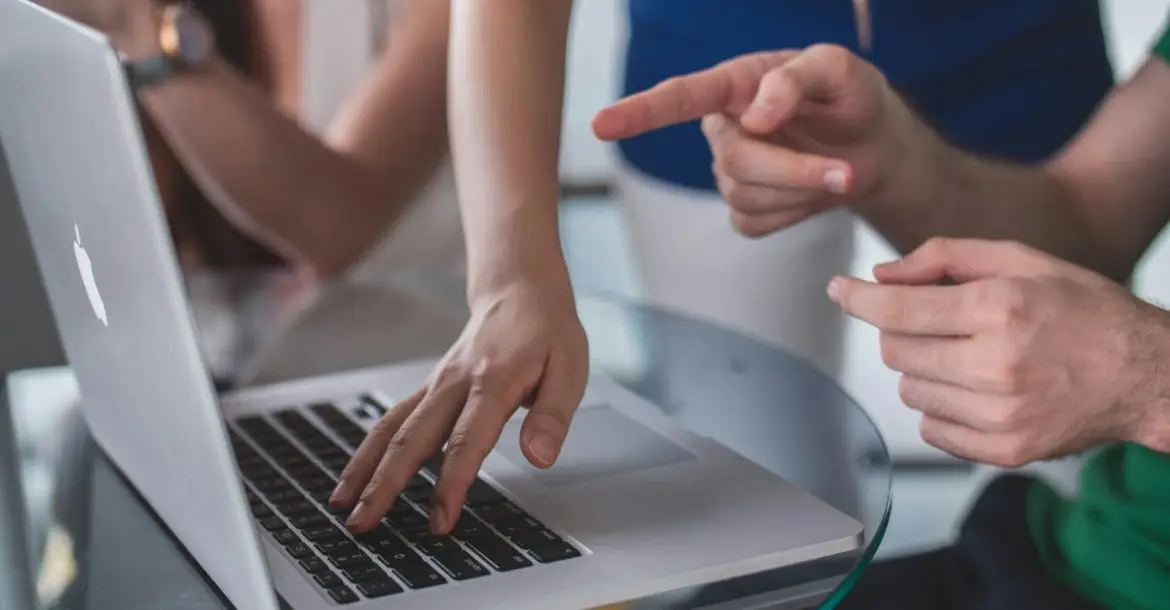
<point x="1010" y="78"/>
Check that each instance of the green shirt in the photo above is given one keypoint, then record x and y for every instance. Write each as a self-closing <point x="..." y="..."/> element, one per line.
<point x="1112" y="542"/>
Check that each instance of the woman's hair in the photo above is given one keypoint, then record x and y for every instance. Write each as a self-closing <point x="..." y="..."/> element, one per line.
<point x="192" y="216"/>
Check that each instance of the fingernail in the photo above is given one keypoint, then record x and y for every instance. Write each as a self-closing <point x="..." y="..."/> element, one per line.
<point x="357" y="516"/>
<point x="544" y="448"/>
<point x="836" y="180"/>
<point x="834" y="289"/>
<point x="338" y="495"/>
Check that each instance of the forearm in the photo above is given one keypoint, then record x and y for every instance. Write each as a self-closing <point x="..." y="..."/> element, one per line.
<point x="507" y="75"/>
<point x="936" y="190"/>
<point x="323" y="202"/>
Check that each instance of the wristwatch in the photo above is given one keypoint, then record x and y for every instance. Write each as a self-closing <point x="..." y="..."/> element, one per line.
<point x="186" y="43"/>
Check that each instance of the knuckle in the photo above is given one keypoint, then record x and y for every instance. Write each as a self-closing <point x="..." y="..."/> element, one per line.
<point x="835" y="58"/>
<point x="487" y="373"/>
<point x="1009" y="374"/>
<point x="936" y="248"/>
<point x="446" y="375"/>
<point x="746" y="225"/>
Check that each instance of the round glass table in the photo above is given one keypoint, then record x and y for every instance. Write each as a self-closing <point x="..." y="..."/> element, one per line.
<point x="97" y="546"/>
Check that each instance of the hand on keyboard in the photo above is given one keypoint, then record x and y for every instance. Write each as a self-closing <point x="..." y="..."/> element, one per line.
<point x="524" y="344"/>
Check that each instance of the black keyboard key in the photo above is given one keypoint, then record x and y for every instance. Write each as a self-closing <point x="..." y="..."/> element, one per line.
<point x="280" y="497"/>
<point x="420" y="494"/>
<point x="296" y="507"/>
<point x="418" y="481"/>
<point x="517" y="526"/>
<point x="337" y="547"/>
<point x="272" y="524"/>
<point x="293" y="420"/>
<point x="436" y="545"/>
<point x="322" y="495"/>
<point x="534" y="538"/>
<point x="375" y="405"/>
<point x="482" y="493"/>
<point x="494" y="513"/>
<point x="407" y="520"/>
<point x="328" y="580"/>
<point x="321" y="534"/>
<point x="308" y="521"/>
<point x="319" y="484"/>
<point x="468" y="527"/>
<point x="374" y="589"/>
<point x="259" y="472"/>
<point x="355" y="558"/>
<point x="342" y="595"/>
<point x="272" y="485"/>
<point x="418" y="575"/>
<point x="459" y="565"/>
<point x="314" y="565"/>
<point x="261" y="511"/>
<point x="304" y="471"/>
<point x="299" y="550"/>
<point x="499" y="554"/>
<point x="387" y="546"/>
<point x="434" y="464"/>
<point x="363" y="573"/>
<point x="286" y="537"/>
<point x="556" y="551"/>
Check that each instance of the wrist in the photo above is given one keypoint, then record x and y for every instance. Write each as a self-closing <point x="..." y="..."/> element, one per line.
<point x="1149" y="423"/>
<point x="137" y="37"/>
<point x="520" y="263"/>
<point x="908" y="155"/>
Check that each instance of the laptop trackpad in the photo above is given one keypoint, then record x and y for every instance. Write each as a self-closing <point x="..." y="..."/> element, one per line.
<point x="602" y="442"/>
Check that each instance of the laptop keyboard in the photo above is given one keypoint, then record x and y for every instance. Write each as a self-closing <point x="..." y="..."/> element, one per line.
<point x="291" y="464"/>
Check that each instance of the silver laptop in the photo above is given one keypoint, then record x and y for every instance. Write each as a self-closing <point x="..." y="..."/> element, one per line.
<point x="636" y="505"/>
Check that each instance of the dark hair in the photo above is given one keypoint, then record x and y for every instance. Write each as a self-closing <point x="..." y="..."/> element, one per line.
<point x="221" y="244"/>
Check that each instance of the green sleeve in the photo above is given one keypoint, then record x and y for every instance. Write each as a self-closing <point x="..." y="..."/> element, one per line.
<point x="1162" y="49"/>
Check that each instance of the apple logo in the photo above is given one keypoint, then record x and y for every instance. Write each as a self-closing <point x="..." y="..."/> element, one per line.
<point x="85" y="266"/>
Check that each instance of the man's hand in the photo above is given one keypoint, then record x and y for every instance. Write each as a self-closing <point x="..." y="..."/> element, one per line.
<point x="1027" y="358"/>
<point x="793" y="132"/>
<point x="524" y="345"/>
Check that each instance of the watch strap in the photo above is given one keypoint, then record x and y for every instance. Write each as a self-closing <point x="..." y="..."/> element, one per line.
<point x="150" y="71"/>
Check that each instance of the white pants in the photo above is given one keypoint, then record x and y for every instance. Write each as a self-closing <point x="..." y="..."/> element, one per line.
<point x="690" y="259"/>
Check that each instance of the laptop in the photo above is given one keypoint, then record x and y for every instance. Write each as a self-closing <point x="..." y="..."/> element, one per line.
<point x="636" y="506"/>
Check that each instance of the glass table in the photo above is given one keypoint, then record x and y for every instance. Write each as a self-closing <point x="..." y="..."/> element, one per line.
<point x="95" y="545"/>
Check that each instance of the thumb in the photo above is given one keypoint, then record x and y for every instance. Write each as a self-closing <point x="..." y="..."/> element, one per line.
<point x="547" y="423"/>
<point x="820" y="73"/>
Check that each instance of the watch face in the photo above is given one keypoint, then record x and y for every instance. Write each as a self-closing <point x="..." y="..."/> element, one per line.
<point x="196" y="42"/>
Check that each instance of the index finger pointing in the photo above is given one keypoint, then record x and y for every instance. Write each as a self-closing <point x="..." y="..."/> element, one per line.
<point x="912" y="310"/>
<point x="729" y="86"/>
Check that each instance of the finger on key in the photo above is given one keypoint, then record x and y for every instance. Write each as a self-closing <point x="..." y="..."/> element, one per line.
<point x="491" y="402"/>
<point x="361" y="466"/>
<point x="421" y="435"/>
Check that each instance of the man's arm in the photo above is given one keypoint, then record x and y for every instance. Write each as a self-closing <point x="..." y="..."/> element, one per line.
<point x="507" y="87"/>
<point x="782" y="124"/>
<point x="1099" y="203"/>
<point x="325" y="203"/>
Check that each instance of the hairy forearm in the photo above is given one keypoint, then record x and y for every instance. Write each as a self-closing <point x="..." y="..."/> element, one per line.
<point x="938" y="190"/>
<point x="507" y="75"/>
<point x="324" y="203"/>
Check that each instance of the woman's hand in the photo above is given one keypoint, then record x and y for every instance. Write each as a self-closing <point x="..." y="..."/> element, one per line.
<point x="524" y="345"/>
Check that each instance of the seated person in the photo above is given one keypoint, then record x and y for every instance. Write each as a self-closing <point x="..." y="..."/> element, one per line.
<point x="245" y="184"/>
<point x="1014" y="334"/>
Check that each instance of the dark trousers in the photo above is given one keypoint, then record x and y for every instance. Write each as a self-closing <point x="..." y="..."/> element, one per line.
<point x="992" y="566"/>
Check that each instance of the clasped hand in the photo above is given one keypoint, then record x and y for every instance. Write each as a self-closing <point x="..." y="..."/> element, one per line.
<point x="1027" y="358"/>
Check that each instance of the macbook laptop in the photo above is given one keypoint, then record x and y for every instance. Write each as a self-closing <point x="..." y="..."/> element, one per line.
<point x="636" y="505"/>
